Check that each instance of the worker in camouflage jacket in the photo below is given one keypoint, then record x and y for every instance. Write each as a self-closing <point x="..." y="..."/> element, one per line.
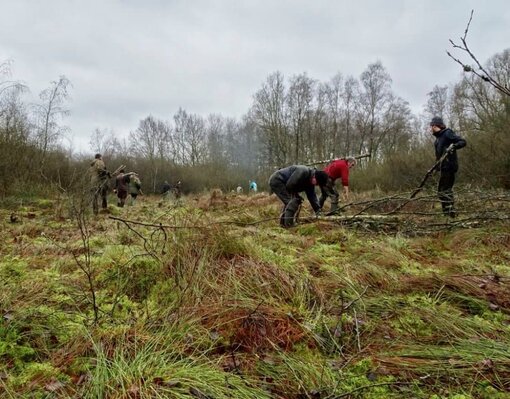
<point x="99" y="177"/>
<point x="134" y="188"/>
<point x="288" y="182"/>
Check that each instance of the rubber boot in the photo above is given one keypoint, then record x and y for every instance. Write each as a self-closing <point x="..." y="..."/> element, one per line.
<point x="291" y="211"/>
<point x="334" y="209"/>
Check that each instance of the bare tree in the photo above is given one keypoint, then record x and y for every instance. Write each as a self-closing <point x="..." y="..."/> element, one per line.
<point x="242" y="144"/>
<point x="299" y="107"/>
<point x="103" y="141"/>
<point x="383" y="119"/>
<point x="195" y="133"/>
<point x="437" y="103"/>
<point x="215" y="127"/>
<point x="342" y="99"/>
<point x="8" y="86"/>
<point x="15" y="150"/>
<point x="318" y="127"/>
<point x="350" y="102"/>
<point x="477" y="105"/>
<point x="150" y="142"/>
<point x="396" y="126"/>
<point x="49" y="113"/>
<point x="376" y="98"/>
<point x="268" y="112"/>
<point x="190" y="138"/>
<point x="11" y="106"/>
<point x="331" y="92"/>
<point x="440" y="103"/>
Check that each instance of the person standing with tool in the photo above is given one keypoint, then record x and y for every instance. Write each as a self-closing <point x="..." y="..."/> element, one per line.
<point x="446" y="144"/>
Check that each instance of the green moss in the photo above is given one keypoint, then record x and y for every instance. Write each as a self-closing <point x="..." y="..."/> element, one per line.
<point x="41" y="372"/>
<point x="283" y="260"/>
<point x="227" y="245"/>
<point x="164" y="295"/>
<point x="487" y="391"/>
<point x="310" y="229"/>
<point x="334" y="236"/>
<point x="412" y="323"/>
<point x="397" y="242"/>
<point x="12" y="268"/>
<point x="134" y="279"/>
<point x="97" y="242"/>
<point x="43" y="203"/>
<point x="12" y="347"/>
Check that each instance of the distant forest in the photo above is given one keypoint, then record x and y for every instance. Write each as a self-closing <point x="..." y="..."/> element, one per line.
<point x="294" y="120"/>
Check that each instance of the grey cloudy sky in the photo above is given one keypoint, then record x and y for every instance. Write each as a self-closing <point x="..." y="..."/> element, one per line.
<point x="127" y="59"/>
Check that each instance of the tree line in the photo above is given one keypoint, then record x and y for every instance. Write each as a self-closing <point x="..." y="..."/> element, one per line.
<point x="291" y="120"/>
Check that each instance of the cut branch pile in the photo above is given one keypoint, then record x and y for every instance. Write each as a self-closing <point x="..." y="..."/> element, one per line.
<point x="400" y="213"/>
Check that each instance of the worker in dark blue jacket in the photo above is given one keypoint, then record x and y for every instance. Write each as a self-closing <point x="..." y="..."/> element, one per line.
<point x="446" y="142"/>
<point x="288" y="182"/>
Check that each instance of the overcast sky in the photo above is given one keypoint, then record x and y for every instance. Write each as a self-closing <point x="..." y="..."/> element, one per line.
<point x="128" y="59"/>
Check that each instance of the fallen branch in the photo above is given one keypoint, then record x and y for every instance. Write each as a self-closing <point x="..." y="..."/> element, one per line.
<point x="159" y="225"/>
<point x="167" y="226"/>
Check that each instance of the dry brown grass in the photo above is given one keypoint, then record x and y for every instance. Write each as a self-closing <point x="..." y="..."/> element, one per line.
<point x="254" y="329"/>
<point x="214" y="200"/>
<point x="493" y="289"/>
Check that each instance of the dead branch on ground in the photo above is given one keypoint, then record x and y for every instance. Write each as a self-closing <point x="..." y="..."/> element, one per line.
<point x="421" y="215"/>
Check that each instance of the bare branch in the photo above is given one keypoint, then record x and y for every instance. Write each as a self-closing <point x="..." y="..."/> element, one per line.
<point x="467" y="27"/>
<point x="479" y="70"/>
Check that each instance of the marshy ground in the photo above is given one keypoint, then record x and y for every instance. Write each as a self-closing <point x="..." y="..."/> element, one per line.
<point x="210" y="298"/>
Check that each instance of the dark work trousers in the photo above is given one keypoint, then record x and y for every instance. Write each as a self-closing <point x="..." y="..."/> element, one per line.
<point x="121" y="197"/>
<point x="445" y="192"/>
<point x="329" y="190"/>
<point x="291" y="201"/>
<point x="101" y="191"/>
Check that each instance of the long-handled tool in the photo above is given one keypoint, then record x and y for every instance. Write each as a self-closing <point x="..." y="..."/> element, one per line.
<point x="430" y="171"/>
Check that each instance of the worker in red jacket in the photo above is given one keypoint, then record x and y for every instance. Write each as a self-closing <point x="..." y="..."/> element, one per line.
<point x="337" y="169"/>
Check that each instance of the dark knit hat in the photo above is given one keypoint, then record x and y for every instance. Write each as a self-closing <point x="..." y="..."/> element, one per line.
<point x="321" y="177"/>
<point x="437" y="121"/>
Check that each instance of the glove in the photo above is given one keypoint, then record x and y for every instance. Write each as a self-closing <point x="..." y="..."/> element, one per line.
<point x="451" y="149"/>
